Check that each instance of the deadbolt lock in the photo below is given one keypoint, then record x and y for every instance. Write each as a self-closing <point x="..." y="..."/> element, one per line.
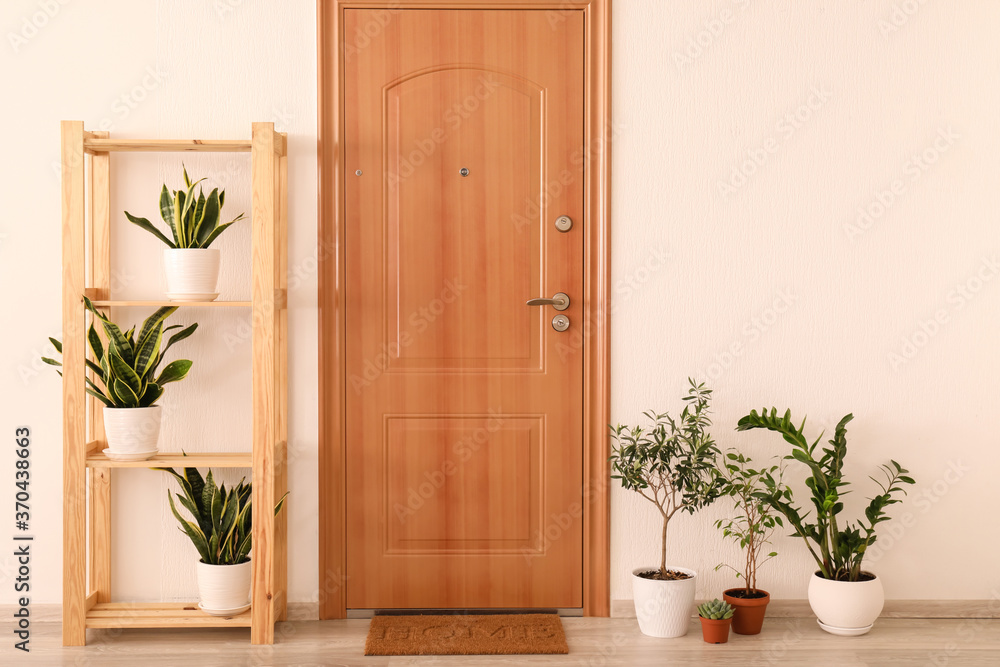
<point x="560" y="323"/>
<point x="564" y="223"/>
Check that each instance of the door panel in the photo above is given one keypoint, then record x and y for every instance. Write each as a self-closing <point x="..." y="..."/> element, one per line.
<point x="464" y="406"/>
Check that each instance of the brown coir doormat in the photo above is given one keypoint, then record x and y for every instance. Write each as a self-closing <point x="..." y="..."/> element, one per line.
<point x="500" y="634"/>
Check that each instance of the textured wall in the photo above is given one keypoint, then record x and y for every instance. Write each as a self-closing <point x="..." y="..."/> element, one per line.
<point x="701" y="271"/>
<point x="172" y="68"/>
<point x="873" y="90"/>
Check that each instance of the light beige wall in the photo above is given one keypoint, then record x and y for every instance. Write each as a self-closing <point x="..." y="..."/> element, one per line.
<point x="774" y="292"/>
<point x="699" y="273"/>
<point x="171" y="68"/>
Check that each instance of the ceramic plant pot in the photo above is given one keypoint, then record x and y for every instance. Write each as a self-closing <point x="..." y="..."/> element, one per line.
<point x="132" y="433"/>
<point x="663" y="608"/>
<point x="847" y="608"/>
<point x="748" y="615"/>
<point x="192" y="273"/>
<point x="715" y="631"/>
<point x="224" y="589"/>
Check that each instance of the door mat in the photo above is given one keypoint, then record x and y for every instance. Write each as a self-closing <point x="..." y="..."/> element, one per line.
<point x="499" y="634"/>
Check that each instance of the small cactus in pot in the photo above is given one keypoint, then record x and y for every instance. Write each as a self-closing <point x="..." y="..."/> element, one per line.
<point x="716" y="617"/>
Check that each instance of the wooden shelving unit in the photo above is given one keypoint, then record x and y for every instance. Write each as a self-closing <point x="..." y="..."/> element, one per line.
<point x="87" y="473"/>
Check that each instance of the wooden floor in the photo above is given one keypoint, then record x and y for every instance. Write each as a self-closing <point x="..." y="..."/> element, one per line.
<point x="592" y="641"/>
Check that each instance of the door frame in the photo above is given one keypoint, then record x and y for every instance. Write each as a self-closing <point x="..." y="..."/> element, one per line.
<point x="594" y="335"/>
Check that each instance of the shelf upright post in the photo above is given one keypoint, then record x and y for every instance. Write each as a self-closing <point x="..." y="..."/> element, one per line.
<point x="265" y="591"/>
<point x="99" y="484"/>
<point x="74" y="593"/>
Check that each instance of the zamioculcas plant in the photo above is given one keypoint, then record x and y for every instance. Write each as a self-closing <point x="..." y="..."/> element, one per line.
<point x="221" y="531"/>
<point x="127" y="365"/>
<point x="754" y="520"/>
<point x="837" y="548"/>
<point x="671" y="463"/>
<point x="193" y="221"/>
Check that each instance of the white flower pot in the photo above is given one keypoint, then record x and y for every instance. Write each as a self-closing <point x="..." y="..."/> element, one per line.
<point x="846" y="607"/>
<point x="192" y="273"/>
<point x="664" y="608"/>
<point x="224" y="588"/>
<point x="132" y="431"/>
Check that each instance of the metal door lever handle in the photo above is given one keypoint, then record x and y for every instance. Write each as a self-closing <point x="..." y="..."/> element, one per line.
<point x="559" y="301"/>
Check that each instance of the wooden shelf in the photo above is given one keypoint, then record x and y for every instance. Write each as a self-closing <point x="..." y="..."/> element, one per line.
<point x="166" y="145"/>
<point x="113" y="615"/>
<point x="88" y="475"/>
<point x="96" y="144"/>
<point x="177" y="460"/>
<point x="160" y="304"/>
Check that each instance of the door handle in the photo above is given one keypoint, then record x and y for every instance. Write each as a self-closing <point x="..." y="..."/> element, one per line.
<point x="559" y="301"/>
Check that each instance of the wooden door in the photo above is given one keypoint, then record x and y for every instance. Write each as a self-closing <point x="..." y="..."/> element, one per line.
<point x="464" y="136"/>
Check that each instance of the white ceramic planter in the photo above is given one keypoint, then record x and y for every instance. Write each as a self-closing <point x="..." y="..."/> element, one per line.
<point x="192" y="273"/>
<point x="846" y="607"/>
<point x="664" y="608"/>
<point x="132" y="431"/>
<point x="224" y="588"/>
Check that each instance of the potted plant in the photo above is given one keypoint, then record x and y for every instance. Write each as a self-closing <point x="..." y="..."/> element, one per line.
<point x="671" y="463"/>
<point x="751" y="527"/>
<point x="221" y="532"/>
<point x="192" y="268"/>
<point x="716" y="617"/>
<point x="127" y="369"/>
<point x="845" y="598"/>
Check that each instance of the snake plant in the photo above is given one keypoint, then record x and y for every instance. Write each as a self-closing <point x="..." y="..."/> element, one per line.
<point x="193" y="221"/>
<point x="716" y="610"/>
<point x="127" y="365"/>
<point x="221" y="531"/>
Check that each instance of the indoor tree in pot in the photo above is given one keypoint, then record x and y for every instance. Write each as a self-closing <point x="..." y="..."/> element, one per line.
<point x="845" y="598"/>
<point x="126" y="367"/>
<point x="221" y="532"/>
<point x="192" y="268"/>
<point x="672" y="464"/>
<point x="751" y="527"/>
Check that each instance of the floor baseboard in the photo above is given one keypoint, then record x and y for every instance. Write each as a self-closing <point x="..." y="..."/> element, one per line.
<point x="893" y="609"/>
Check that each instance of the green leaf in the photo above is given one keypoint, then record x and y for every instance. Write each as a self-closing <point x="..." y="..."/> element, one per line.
<point x="125" y="373"/>
<point x="143" y="223"/>
<point x="167" y="213"/>
<point x="95" y="342"/>
<point x="174" y="371"/>
<point x="193" y="532"/>
<point x="177" y="337"/>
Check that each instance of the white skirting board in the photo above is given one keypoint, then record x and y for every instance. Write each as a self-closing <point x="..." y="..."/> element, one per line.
<point x="309" y="611"/>
<point x="893" y="609"/>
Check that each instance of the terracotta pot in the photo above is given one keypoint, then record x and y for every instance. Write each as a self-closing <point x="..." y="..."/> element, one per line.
<point x="715" y="632"/>
<point x="748" y="618"/>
